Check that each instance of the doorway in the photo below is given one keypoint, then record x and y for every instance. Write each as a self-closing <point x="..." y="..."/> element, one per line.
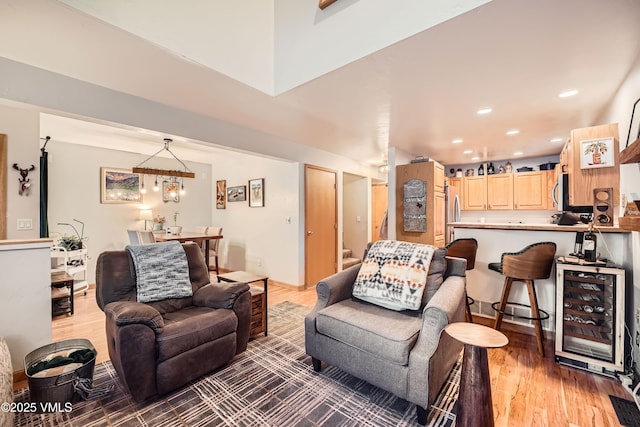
<point x="321" y="224"/>
<point x="355" y="218"/>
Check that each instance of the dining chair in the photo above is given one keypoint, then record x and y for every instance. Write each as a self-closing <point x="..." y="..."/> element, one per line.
<point x="134" y="239"/>
<point x="146" y="236"/>
<point x="213" y="246"/>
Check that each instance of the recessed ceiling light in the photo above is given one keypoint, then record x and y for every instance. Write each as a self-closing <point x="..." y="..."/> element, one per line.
<point x="556" y="140"/>
<point x="518" y="153"/>
<point x="475" y="158"/>
<point x="484" y="111"/>
<point x="457" y="141"/>
<point x="467" y="152"/>
<point x="568" y="93"/>
<point x="513" y="132"/>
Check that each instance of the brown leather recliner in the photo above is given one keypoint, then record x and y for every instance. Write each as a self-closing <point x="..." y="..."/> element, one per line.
<point x="159" y="346"/>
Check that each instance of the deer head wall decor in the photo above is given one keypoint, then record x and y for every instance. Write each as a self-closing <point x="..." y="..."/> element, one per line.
<point x="25" y="182"/>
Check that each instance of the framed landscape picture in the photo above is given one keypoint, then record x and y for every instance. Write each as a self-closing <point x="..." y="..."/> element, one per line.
<point x="119" y="186"/>
<point x="237" y="194"/>
<point x="256" y="193"/>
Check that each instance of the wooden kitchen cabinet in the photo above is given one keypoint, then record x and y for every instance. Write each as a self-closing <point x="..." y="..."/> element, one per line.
<point x="438" y="171"/>
<point x="474" y="193"/>
<point x="439" y="220"/>
<point x="530" y="190"/>
<point x="500" y="191"/>
<point x="432" y="173"/>
<point x="582" y="182"/>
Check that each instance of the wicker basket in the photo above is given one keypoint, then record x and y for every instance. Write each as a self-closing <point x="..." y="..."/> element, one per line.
<point x="58" y="388"/>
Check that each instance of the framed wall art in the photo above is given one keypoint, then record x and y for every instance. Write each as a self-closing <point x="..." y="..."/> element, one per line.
<point x="237" y="194"/>
<point x="170" y="192"/>
<point x="221" y="191"/>
<point x="256" y="193"/>
<point x="596" y="153"/>
<point x="119" y="186"/>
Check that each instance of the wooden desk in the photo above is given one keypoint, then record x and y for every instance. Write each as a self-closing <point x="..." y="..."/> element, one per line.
<point x="188" y="236"/>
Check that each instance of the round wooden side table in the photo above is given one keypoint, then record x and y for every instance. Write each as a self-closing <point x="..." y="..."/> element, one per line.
<point x="475" y="407"/>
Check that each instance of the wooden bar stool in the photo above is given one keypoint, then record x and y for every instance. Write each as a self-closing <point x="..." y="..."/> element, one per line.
<point x="533" y="262"/>
<point x="467" y="249"/>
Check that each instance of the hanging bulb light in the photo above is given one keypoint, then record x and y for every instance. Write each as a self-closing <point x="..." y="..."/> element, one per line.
<point x="155" y="185"/>
<point x="182" y="191"/>
<point x="173" y="187"/>
<point x="142" y="189"/>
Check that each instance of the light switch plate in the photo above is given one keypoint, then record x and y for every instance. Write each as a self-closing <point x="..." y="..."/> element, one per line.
<point x="25" y="224"/>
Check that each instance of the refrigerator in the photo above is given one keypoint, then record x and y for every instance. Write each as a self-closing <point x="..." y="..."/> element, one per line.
<point x="452" y="210"/>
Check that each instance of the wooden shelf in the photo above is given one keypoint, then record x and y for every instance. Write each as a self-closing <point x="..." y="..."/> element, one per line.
<point x="630" y="223"/>
<point x="631" y="154"/>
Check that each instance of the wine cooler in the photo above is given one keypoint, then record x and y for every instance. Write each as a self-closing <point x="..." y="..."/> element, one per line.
<point x="590" y="317"/>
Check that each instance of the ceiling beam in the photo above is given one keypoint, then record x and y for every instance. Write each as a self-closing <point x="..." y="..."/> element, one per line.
<point x="164" y="172"/>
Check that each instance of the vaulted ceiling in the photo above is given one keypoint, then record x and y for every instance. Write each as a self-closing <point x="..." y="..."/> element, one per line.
<point x="418" y="94"/>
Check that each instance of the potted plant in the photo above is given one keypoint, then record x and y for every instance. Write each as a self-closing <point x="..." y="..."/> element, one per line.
<point x="175" y="229"/>
<point x="70" y="243"/>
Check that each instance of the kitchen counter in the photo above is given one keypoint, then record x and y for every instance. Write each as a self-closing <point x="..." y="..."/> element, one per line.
<point x="485" y="285"/>
<point x="533" y="227"/>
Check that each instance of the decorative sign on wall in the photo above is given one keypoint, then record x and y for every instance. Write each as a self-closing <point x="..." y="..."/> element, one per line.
<point x="221" y="194"/>
<point x="597" y="153"/>
<point x="415" y="206"/>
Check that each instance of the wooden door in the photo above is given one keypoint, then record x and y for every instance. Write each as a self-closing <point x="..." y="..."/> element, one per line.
<point x="475" y="193"/>
<point x="530" y="190"/>
<point x="379" y="203"/>
<point x="321" y="224"/>
<point x="500" y="191"/>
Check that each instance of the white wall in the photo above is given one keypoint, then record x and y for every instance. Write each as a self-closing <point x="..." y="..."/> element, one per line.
<point x="245" y="26"/>
<point x="396" y="157"/>
<point x="261" y="240"/>
<point x="74" y="193"/>
<point x="301" y="27"/>
<point x="22" y="129"/>
<point x="620" y="111"/>
<point x="355" y="214"/>
<point x="25" y="297"/>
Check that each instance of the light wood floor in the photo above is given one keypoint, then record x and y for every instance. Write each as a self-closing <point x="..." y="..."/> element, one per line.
<point x="528" y="390"/>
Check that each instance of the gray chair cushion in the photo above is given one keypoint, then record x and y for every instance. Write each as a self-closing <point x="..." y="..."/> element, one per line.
<point x="435" y="276"/>
<point x="385" y="333"/>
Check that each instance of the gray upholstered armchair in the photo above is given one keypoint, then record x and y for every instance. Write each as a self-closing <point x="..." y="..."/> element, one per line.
<point x="158" y="346"/>
<point x="404" y="353"/>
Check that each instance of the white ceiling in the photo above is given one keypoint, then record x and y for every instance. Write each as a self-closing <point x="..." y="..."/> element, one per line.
<point x="514" y="56"/>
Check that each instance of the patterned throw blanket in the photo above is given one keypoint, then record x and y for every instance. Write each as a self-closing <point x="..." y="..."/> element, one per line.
<point x="162" y="271"/>
<point x="394" y="274"/>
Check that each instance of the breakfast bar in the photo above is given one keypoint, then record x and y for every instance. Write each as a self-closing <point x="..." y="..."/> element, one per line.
<point x="485" y="286"/>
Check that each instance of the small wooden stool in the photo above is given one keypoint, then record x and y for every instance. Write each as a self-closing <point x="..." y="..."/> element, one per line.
<point x="475" y="407"/>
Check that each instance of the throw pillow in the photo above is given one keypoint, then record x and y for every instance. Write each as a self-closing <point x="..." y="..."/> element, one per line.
<point x="394" y="274"/>
<point x="162" y="271"/>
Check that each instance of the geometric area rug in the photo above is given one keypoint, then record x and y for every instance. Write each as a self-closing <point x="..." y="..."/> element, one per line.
<point x="272" y="383"/>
